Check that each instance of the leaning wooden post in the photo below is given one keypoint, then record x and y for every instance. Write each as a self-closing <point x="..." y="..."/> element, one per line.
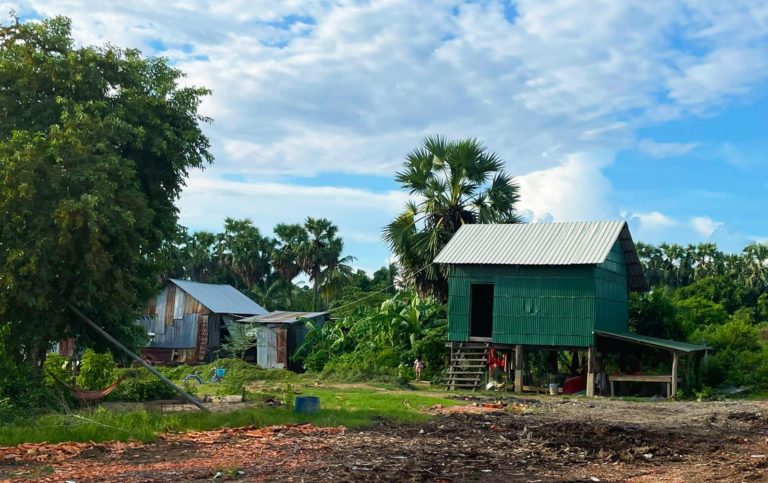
<point x="675" y="358"/>
<point x="138" y="359"/>
<point x="591" y="371"/>
<point x="519" y="363"/>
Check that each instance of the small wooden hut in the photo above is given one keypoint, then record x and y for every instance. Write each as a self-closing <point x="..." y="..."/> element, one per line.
<point x="551" y="286"/>
<point x="187" y="320"/>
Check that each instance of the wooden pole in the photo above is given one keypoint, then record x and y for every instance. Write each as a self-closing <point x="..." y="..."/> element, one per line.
<point x="674" y="375"/>
<point x="591" y="371"/>
<point x="697" y="370"/>
<point x="138" y="359"/>
<point x="519" y="363"/>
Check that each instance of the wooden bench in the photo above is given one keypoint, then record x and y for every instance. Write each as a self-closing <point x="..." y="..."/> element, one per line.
<point x="665" y="379"/>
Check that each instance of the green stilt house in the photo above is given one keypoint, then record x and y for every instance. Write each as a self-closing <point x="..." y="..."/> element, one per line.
<point x="552" y="286"/>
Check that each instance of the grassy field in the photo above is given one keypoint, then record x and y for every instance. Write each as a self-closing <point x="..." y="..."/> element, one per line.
<point x="352" y="407"/>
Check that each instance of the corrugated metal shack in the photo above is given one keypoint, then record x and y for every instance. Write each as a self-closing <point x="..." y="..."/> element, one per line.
<point x="187" y="320"/>
<point x="279" y="334"/>
<point x="557" y="286"/>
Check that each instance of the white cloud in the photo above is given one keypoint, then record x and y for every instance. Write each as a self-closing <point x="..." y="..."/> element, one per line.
<point x="308" y="87"/>
<point x="654" y="220"/>
<point x="360" y="214"/>
<point x="657" y="227"/>
<point x="705" y="226"/>
<point x="664" y="150"/>
<point x="575" y="190"/>
<point x="304" y="88"/>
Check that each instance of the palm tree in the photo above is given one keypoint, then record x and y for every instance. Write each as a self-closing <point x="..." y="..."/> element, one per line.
<point x="274" y="293"/>
<point x="755" y="257"/>
<point x="337" y="271"/>
<point x="200" y="263"/>
<point x="290" y="240"/>
<point x="452" y="183"/>
<point x="320" y="252"/>
<point x="244" y="252"/>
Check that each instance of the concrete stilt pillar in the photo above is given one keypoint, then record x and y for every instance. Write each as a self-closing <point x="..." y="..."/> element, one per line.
<point x="675" y="360"/>
<point x="591" y="371"/>
<point x="519" y="366"/>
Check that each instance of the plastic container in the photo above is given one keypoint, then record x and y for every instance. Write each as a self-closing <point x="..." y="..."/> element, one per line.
<point x="306" y="404"/>
<point x="553" y="389"/>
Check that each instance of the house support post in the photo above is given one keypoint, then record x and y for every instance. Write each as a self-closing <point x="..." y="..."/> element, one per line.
<point x="591" y="371"/>
<point x="686" y="373"/>
<point x="519" y="363"/>
<point x="675" y="359"/>
<point x="697" y="370"/>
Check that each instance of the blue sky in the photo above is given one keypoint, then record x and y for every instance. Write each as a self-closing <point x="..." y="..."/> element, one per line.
<point x="651" y="112"/>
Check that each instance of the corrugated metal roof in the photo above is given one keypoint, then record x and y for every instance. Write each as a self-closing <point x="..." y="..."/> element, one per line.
<point x="667" y="344"/>
<point x="282" y="317"/>
<point x="576" y="243"/>
<point x="570" y="243"/>
<point x="220" y="299"/>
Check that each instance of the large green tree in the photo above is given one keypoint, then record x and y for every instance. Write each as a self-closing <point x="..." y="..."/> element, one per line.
<point x="451" y="183"/>
<point x="95" y="145"/>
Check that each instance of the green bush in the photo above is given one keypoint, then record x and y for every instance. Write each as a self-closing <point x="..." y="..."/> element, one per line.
<point x="59" y="366"/>
<point x="380" y="342"/>
<point x="144" y="386"/>
<point x="96" y="370"/>
<point x="740" y="356"/>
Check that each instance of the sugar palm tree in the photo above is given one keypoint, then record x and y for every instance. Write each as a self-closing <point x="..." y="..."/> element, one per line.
<point x="321" y="252"/>
<point x="289" y="242"/>
<point x="451" y="183"/>
<point x="244" y="252"/>
<point x="755" y="257"/>
<point x="200" y="263"/>
<point x="337" y="271"/>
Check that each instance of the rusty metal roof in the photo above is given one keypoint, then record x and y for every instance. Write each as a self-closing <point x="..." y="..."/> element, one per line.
<point x="220" y="299"/>
<point x="282" y="317"/>
<point x="570" y="243"/>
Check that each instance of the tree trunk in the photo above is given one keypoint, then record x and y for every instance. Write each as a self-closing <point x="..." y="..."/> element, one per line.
<point x="314" y="295"/>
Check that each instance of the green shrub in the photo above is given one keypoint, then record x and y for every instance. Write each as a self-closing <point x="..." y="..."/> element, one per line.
<point x="740" y="357"/>
<point x="144" y="386"/>
<point x="59" y="366"/>
<point x="96" y="370"/>
<point x="380" y="342"/>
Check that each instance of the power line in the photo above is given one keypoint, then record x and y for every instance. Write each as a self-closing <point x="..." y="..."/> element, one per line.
<point x="380" y="291"/>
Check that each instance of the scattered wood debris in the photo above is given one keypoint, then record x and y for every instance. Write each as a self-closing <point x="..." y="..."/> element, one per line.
<point x="580" y="441"/>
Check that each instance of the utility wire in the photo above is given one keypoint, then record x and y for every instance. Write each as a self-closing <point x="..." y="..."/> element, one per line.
<point x="380" y="291"/>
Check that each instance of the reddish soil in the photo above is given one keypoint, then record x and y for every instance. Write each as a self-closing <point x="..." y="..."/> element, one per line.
<point x="529" y="440"/>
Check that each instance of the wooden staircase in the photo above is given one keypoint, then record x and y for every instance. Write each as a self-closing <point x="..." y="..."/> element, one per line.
<point x="468" y="363"/>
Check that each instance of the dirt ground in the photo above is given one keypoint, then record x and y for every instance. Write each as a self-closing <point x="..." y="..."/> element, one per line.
<point x="547" y="439"/>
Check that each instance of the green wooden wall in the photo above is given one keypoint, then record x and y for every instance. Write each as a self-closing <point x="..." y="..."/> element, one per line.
<point x="611" y="292"/>
<point x="544" y="305"/>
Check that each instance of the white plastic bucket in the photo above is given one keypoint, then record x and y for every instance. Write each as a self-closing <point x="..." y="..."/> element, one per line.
<point x="553" y="389"/>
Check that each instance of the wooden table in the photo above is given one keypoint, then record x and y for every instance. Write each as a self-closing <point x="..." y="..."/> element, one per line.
<point x="666" y="379"/>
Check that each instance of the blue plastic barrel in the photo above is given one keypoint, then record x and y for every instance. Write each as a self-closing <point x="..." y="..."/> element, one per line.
<point x="306" y="404"/>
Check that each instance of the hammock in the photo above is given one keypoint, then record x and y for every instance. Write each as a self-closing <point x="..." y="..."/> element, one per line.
<point x="94" y="395"/>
